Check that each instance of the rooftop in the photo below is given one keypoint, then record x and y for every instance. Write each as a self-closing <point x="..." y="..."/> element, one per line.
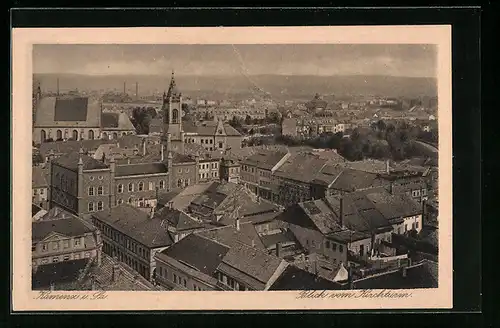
<point x="228" y="235"/>
<point x="178" y="219"/>
<point x="70" y="227"/>
<point x="294" y="278"/>
<point x="131" y="221"/>
<point x="67" y="110"/>
<point x="63" y="275"/>
<point x="71" y="160"/>
<point x="72" y="146"/>
<point x="116" y="121"/>
<point x="265" y="159"/>
<point x="40" y="177"/>
<point x="140" y="169"/>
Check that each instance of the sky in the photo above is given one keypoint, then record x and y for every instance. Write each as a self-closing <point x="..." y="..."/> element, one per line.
<point x="230" y="60"/>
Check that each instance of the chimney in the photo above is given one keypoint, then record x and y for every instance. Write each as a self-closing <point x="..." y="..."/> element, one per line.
<point x="387" y="168"/>
<point x="124" y="87"/>
<point x="404" y="272"/>
<point x="144" y="147"/>
<point x="341" y="212"/>
<point x="152" y="214"/>
<point x="253" y="243"/>
<point x="137" y="90"/>
<point x="278" y="249"/>
<point x="58" y="86"/>
<point x="161" y="153"/>
<point x="237" y="226"/>
<point x="391" y="188"/>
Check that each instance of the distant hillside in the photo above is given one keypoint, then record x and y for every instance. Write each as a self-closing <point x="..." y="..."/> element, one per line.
<point x="278" y="86"/>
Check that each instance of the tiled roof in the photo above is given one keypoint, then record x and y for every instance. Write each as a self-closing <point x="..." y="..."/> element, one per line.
<point x="348" y="236"/>
<point x="321" y="215"/>
<point x="249" y="261"/>
<point x="60" y="274"/>
<point x="116" y="121"/>
<point x="67" y="111"/>
<point x="70" y="161"/>
<point x="130" y="141"/>
<point x="40" y="177"/>
<point x="282" y="237"/>
<point x="352" y="180"/>
<point x="182" y="198"/>
<point x="228" y="235"/>
<point x="136" y="224"/>
<point x="301" y="167"/>
<point x="328" y="174"/>
<point x="198" y="252"/>
<point x="294" y="278"/>
<point x="422" y="275"/>
<point x="35" y="209"/>
<point x="181" y="158"/>
<point x="359" y="213"/>
<point x="177" y="219"/>
<point x="394" y="206"/>
<point x="70" y="146"/>
<point x="57" y="213"/>
<point x="71" y="227"/>
<point x="264" y="159"/>
<point x="140" y="169"/>
<point x="156" y="125"/>
<point x="368" y="165"/>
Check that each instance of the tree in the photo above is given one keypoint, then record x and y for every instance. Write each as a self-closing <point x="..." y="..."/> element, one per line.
<point x="248" y="120"/>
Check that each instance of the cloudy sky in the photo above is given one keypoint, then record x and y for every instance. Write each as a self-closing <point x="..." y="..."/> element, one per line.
<point x="394" y="60"/>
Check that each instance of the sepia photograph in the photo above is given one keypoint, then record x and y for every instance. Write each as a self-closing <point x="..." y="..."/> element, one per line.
<point x="311" y="168"/>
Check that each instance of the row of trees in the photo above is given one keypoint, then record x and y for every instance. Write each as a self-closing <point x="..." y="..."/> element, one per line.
<point x="141" y="118"/>
<point x="381" y="141"/>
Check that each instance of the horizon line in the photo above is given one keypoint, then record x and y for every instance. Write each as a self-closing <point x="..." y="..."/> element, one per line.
<point x="167" y="75"/>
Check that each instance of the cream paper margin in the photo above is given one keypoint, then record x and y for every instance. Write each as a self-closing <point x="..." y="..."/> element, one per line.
<point x="23" y="299"/>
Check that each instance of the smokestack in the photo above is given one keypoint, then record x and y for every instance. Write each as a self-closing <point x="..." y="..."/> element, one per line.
<point x="136" y="90"/>
<point x="58" y="86"/>
<point x="237" y="225"/>
<point x="124" y="87"/>
<point x="278" y="249"/>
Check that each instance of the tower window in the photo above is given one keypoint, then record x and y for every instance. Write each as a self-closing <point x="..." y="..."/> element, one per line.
<point x="175" y="116"/>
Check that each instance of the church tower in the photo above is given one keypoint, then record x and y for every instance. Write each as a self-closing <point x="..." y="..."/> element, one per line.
<point x="172" y="111"/>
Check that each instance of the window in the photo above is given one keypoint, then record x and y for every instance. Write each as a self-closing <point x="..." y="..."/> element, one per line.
<point x="186" y="170"/>
<point x="341" y="248"/>
<point x="179" y="183"/>
<point x="141" y="202"/>
<point x="334" y="247"/>
<point x="151" y="186"/>
<point x="87" y="254"/>
<point x="91" y="178"/>
<point x="91" y="207"/>
<point x="175" y="278"/>
<point x="100" y="205"/>
<point x="140" y="186"/>
<point x="162" y="184"/>
<point x="100" y="190"/>
<point x="55" y="259"/>
<point x="221" y="145"/>
<point x="130" y="187"/>
<point x="66" y="258"/>
<point x="327" y="244"/>
<point x="76" y="256"/>
<point x="185" y="283"/>
<point x="160" y="269"/>
<point x="100" y="177"/>
<point x="120" y="188"/>
<point x="416" y="225"/>
<point x="41" y="191"/>
<point x="77" y="242"/>
<point x="91" y="191"/>
<point x="120" y="201"/>
<point x="66" y="244"/>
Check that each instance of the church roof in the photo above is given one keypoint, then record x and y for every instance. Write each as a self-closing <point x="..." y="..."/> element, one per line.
<point x="68" y="111"/>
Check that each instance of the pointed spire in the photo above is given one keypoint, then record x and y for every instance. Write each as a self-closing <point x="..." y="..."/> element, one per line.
<point x="172" y="89"/>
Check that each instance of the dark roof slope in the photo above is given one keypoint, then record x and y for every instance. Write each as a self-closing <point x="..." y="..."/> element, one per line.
<point x="140" y="169"/>
<point x="422" y="275"/>
<point x="294" y="278"/>
<point x="70" y="146"/>
<point x="39" y="177"/>
<point x="71" y="227"/>
<point x="70" y="161"/>
<point x="109" y="120"/>
<point x="264" y="159"/>
<point x="71" y="109"/>
<point x="197" y="252"/>
<point x="177" y="219"/>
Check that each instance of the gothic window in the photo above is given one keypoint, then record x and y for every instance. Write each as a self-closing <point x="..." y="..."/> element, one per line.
<point x="59" y="135"/>
<point x="175" y="116"/>
<point x="75" y="135"/>
<point x="100" y="190"/>
<point x="100" y="205"/>
<point x="115" y="135"/>
<point x="91" y="134"/>
<point x="130" y="187"/>
<point x="162" y="184"/>
<point x="141" y="186"/>
<point x="151" y="186"/>
<point x="91" y="207"/>
<point x="130" y="200"/>
<point x="120" y="188"/>
<point x="91" y="191"/>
